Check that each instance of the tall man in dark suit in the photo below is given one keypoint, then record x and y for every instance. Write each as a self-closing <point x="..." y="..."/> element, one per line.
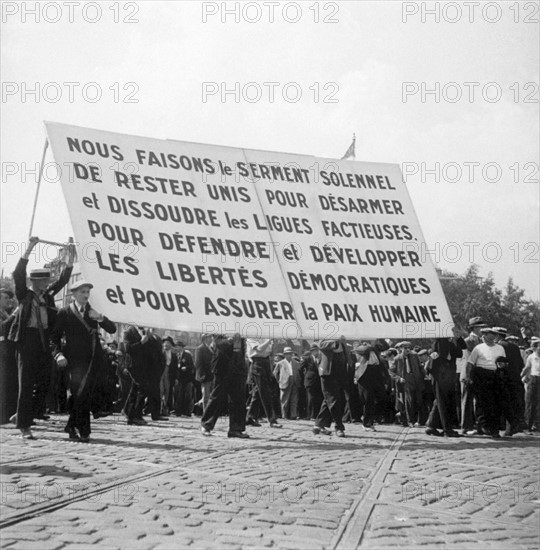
<point x="145" y="367"/>
<point x="513" y="392"/>
<point x="312" y="381"/>
<point x="183" y="385"/>
<point x="82" y="354"/>
<point x="229" y="367"/>
<point x="333" y="372"/>
<point x="442" y="367"/>
<point x="30" y="332"/>
<point x="203" y="369"/>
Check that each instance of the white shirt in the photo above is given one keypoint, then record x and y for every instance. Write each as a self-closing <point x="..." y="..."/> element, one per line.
<point x="484" y="356"/>
<point x="533" y="362"/>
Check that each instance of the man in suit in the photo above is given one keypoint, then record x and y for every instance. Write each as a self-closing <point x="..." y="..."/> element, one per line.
<point x="30" y="332"/>
<point x="287" y="373"/>
<point x="409" y="377"/>
<point x="513" y="392"/>
<point x="78" y="325"/>
<point x="9" y="386"/>
<point x="170" y="374"/>
<point x="333" y="372"/>
<point x="312" y="381"/>
<point x="261" y="375"/>
<point x="229" y="368"/>
<point x="145" y="367"/>
<point x="203" y="368"/>
<point x="442" y="367"/>
<point x="183" y="385"/>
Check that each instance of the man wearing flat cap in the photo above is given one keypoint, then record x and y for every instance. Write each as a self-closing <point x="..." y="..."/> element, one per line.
<point x="30" y="332"/>
<point x="409" y="378"/>
<point x="78" y="326"/>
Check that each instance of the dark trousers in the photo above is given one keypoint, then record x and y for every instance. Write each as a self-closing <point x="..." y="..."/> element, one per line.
<point x="82" y="380"/>
<point x="532" y="402"/>
<point x="183" y="398"/>
<point x="143" y="388"/>
<point x="371" y="389"/>
<point x="9" y="384"/>
<point x="488" y="392"/>
<point x="231" y="387"/>
<point x="34" y="364"/>
<point x="467" y="406"/>
<point x="314" y="400"/>
<point x="443" y="409"/>
<point x="263" y="393"/>
<point x="333" y="403"/>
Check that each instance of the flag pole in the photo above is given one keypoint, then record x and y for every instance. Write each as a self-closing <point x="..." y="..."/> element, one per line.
<point x="38" y="186"/>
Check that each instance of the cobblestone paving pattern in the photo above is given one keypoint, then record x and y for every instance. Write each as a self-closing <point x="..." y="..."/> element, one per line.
<point x="165" y="486"/>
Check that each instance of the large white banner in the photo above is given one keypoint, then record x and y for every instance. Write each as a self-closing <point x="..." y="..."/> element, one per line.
<point x="188" y="236"/>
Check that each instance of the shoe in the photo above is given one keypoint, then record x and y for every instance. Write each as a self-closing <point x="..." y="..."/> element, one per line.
<point x="451" y="433"/>
<point x="206" y="432"/>
<point x="368" y="428"/>
<point x="321" y="430"/>
<point x="84" y="439"/>
<point x="433" y="431"/>
<point x="137" y="422"/>
<point x="275" y="425"/>
<point x="43" y="417"/>
<point x="240" y="435"/>
<point x="73" y="435"/>
<point x="340" y="433"/>
<point x="160" y="418"/>
<point x="101" y="414"/>
<point x="27" y="433"/>
<point x="253" y="422"/>
<point x="495" y="435"/>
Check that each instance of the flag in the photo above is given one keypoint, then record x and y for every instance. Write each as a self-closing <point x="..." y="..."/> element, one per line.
<point x="351" y="150"/>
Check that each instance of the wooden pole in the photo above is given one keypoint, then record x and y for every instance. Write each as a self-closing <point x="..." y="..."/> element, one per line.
<point x="38" y="186"/>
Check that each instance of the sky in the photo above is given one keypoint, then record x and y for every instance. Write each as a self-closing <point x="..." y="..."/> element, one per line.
<point x="452" y="96"/>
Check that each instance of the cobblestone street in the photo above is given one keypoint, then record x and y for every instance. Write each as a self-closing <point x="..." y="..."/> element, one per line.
<point x="166" y="486"/>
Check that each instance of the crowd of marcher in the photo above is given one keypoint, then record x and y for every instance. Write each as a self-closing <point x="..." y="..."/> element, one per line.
<point x="58" y="361"/>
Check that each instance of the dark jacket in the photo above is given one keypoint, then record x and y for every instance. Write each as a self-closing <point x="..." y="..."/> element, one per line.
<point x="449" y="351"/>
<point x="25" y="296"/>
<point x="334" y="364"/>
<point x="203" y="363"/>
<point x="310" y="369"/>
<point x="80" y="344"/>
<point x="515" y="361"/>
<point x="146" y="359"/>
<point x="186" y="367"/>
